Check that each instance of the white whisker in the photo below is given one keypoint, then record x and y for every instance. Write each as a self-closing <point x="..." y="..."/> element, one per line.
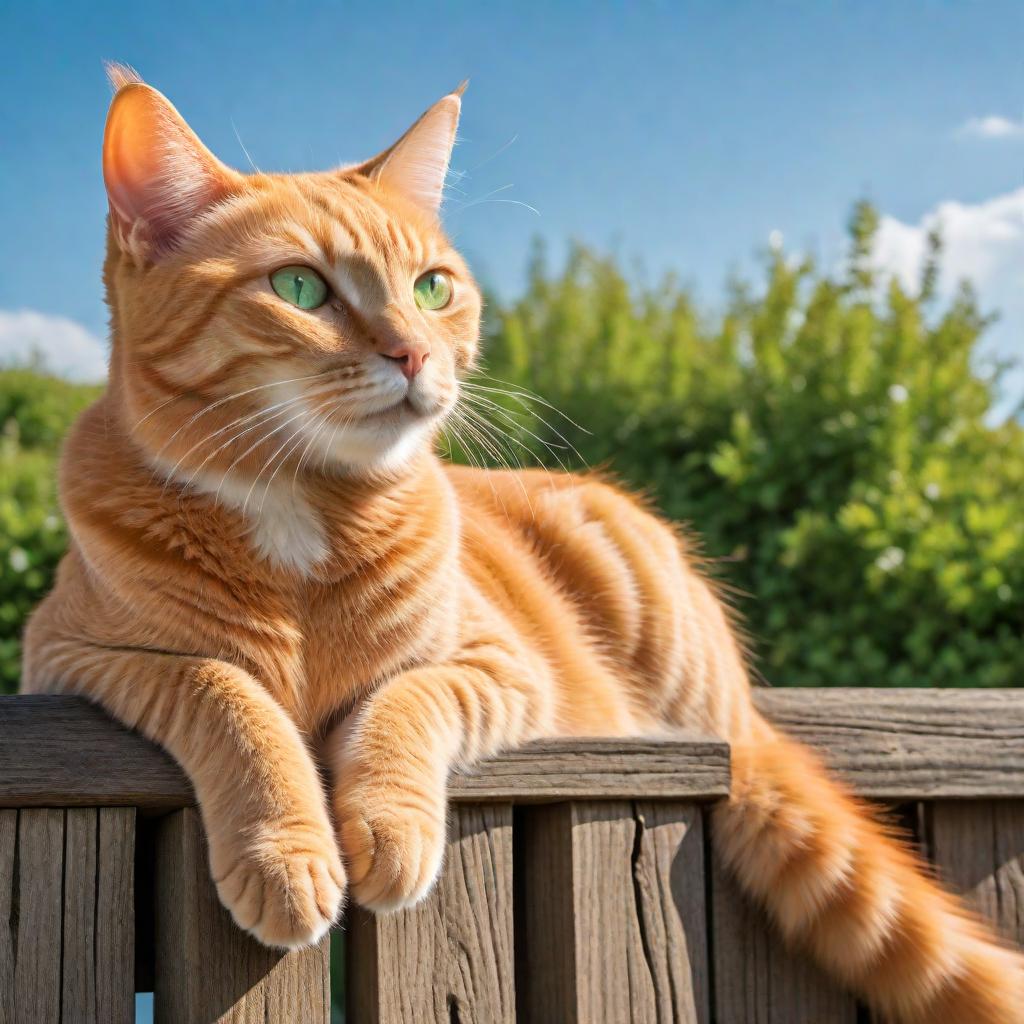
<point x="520" y="393"/>
<point x="222" y="401"/>
<point x="262" y="416"/>
<point x="324" y="422"/>
<point x="498" y="410"/>
<point x="270" y="461"/>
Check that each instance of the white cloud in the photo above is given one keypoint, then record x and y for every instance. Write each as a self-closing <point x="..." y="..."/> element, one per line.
<point x="982" y="242"/>
<point x="992" y="126"/>
<point x="66" y="346"/>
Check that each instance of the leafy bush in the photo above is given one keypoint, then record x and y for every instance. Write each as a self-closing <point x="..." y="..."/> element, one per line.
<point x="36" y="410"/>
<point x="828" y="437"/>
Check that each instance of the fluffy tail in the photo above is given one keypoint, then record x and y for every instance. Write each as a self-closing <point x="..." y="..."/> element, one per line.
<point x="846" y="892"/>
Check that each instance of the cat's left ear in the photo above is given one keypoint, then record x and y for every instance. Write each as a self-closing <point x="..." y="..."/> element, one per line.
<point x="416" y="165"/>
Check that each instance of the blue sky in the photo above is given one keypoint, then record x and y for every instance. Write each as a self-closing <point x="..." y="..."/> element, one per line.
<point x="682" y="135"/>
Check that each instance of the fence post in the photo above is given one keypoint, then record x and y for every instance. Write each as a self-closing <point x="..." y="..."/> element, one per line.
<point x="978" y="848"/>
<point x="66" y="916"/>
<point x="207" y="970"/>
<point x="449" y="958"/>
<point x="613" y="913"/>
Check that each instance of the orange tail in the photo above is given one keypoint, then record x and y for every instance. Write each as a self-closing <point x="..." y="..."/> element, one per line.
<point x="844" y="891"/>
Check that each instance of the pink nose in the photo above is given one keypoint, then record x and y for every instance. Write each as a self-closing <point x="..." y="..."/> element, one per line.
<point x="410" y="358"/>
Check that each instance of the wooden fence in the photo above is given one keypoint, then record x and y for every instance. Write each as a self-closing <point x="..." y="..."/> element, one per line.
<point x="578" y="887"/>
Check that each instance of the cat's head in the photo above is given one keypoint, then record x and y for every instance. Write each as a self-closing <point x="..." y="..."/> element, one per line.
<point x="267" y="321"/>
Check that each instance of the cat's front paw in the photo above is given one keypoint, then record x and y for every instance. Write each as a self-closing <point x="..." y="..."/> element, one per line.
<point x="392" y="836"/>
<point x="286" y="888"/>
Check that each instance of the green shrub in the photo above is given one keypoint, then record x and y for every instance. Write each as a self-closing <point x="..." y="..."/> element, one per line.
<point x="827" y="436"/>
<point x="32" y="539"/>
<point x="36" y="410"/>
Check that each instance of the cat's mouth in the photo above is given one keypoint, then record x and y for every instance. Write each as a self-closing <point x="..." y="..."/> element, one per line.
<point x="403" y="407"/>
<point x="410" y="408"/>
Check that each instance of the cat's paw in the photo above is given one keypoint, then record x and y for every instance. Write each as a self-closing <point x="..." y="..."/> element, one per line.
<point x="393" y="841"/>
<point x="286" y="888"/>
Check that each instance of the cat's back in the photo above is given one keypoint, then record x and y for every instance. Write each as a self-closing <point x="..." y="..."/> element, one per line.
<point x="598" y="545"/>
<point x="548" y="506"/>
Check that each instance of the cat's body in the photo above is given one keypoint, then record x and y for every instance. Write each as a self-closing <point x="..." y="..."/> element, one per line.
<point x="545" y="560"/>
<point x="268" y="562"/>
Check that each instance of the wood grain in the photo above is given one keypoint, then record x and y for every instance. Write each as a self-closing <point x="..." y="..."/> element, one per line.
<point x="613" y="916"/>
<point x="555" y="770"/>
<point x="978" y="848"/>
<point x="36" y="881"/>
<point x="81" y="856"/>
<point x="906" y="744"/>
<point x="756" y="980"/>
<point x="62" y="751"/>
<point x="99" y="926"/>
<point x="8" y="912"/>
<point x="888" y="744"/>
<point x="208" y="970"/>
<point x="66" y="922"/>
<point x="449" y="958"/>
<point x="669" y="872"/>
<point x="114" y="951"/>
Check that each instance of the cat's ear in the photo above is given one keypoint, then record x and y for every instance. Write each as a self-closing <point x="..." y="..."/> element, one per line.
<point x="416" y="165"/>
<point x="157" y="172"/>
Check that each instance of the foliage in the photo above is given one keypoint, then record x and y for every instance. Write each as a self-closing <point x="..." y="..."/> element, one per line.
<point x="36" y="410"/>
<point x="829" y="435"/>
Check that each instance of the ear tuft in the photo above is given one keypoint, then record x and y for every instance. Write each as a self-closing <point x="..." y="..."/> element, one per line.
<point x="416" y="165"/>
<point x="119" y="75"/>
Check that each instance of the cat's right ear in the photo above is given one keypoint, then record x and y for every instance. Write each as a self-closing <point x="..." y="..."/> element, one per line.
<point x="157" y="172"/>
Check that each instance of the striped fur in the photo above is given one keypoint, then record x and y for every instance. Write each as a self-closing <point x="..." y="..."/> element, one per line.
<point x="268" y="562"/>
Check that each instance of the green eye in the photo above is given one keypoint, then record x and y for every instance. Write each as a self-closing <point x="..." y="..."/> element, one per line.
<point x="433" y="290"/>
<point x="301" y="286"/>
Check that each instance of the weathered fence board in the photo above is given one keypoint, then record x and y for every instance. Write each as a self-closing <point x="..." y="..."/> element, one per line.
<point x="207" y="970"/>
<point x="691" y="767"/>
<point x="577" y="886"/>
<point x="668" y="864"/>
<point x="896" y="745"/>
<point x="449" y="958"/>
<point x="978" y="847"/>
<point x="99" y="915"/>
<point x="81" y="855"/>
<point x="893" y="745"/>
<point x="61" y="751"/>
<point x="613" y="913"/>
<point x="36" y="895"/>
<point x="8" y="902"/>
<point x="67" y="916"/>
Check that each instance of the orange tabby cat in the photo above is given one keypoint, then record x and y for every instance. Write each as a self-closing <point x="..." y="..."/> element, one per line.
<point x="267" y="555"/>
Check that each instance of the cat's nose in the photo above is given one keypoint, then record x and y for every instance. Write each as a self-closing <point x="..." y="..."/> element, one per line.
<point x="410" y="357"/>
<point x="394" y="340"/>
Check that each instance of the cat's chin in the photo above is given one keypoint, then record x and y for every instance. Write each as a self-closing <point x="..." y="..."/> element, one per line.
<point x="386" y="441"/>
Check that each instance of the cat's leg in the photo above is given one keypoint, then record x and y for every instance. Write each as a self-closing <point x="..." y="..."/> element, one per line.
<point x="391" y="760"/>
<point x="273" y="853"/>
